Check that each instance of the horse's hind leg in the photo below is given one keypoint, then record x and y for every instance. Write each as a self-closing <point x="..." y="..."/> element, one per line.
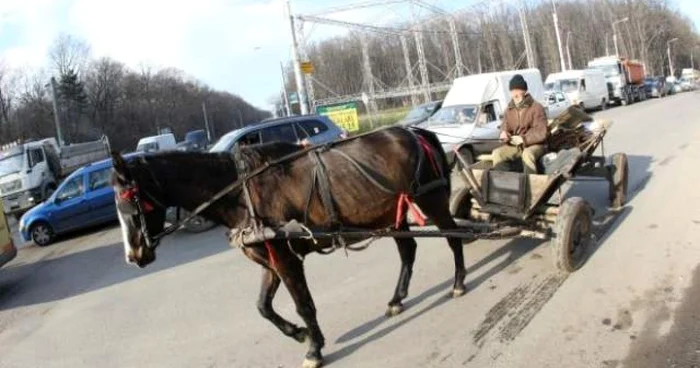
<point x="436" y="206"/>
<point x="291" y="270"/>
<point x="407" y="251"/>
<point x="268" y="289"/>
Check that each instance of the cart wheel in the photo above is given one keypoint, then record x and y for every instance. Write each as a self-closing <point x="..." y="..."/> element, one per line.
<point x="572" y="234"/>
<point x="618" y="180"/>
<point x="461" y="204"/>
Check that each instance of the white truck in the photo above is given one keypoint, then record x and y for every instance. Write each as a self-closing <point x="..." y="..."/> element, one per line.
<point x="157" y="143"/>
<point x="625" y="78"/>
<point x="585" y="88"/>
<point x="31" y="171"/>
<point x="470" y="116"/>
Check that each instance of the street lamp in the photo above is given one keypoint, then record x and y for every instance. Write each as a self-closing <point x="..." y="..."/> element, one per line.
<point x="625" y="19"/>
<point x="568" y="50"/>
<point x="668" y="52"/>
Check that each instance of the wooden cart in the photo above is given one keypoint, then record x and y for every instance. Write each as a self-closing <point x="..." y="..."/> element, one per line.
<point x="513" y="199"/>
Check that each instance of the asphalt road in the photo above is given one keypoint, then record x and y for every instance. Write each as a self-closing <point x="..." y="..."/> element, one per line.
<point x="633" y="304"/>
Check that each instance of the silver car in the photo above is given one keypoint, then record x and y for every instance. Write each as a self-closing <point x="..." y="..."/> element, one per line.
<point x="557" y="103"/>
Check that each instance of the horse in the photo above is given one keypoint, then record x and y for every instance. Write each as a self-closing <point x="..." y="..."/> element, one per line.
<point x="371" y="181"/>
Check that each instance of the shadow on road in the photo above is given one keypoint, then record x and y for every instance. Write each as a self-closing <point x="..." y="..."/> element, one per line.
<point x="515" y="249"/>
<point x="69" y="275"/>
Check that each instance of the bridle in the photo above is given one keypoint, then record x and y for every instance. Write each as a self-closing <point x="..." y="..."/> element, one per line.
<point x="132" y="193"/>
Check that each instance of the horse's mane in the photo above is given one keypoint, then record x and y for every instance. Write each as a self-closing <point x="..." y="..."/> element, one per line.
<point x="258" y="154"/>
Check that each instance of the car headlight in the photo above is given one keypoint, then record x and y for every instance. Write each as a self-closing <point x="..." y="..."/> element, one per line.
<point x="11" y="186"/>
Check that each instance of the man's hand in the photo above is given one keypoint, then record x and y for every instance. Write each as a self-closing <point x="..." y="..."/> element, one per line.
<point x="516" y="140"/>
<point x="505" y="137"/>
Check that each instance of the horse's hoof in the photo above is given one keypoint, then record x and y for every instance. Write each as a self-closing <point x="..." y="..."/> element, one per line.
<point x="302" y="335"/>
<point x="394" y="310"/>
<point x="456" y="293"/>
<point x="312" y="363"/>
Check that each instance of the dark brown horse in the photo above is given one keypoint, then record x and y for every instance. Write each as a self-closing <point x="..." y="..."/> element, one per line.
<point x="357" y="172"/>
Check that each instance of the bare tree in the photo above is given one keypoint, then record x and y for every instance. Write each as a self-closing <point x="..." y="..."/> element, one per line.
<point x="69" y="53"/>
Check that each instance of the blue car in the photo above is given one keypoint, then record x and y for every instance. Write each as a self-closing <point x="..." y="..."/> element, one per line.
<point x="85" y="198"/>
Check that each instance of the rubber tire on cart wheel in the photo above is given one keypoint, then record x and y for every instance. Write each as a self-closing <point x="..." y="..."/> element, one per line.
<point x="41" y="233"/>
<point x="572" y="234"/>
<point x="461" y="204"/>
<point x="618" y="180"/>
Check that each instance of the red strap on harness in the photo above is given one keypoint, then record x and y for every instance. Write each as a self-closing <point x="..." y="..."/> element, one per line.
<point x="130" y="194"/>
<point x="271" y="254"/>
<point x="404" y="202"/>
<point x="428" y="152"/>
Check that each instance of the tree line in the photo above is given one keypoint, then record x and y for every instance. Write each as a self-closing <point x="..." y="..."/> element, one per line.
<point x="104" y="96"/>
<point x="491" y="39"/>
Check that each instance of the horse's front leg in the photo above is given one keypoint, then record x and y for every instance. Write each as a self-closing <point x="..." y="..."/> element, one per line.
<point x="268" y="289"/>
<point x="291" y="270"/>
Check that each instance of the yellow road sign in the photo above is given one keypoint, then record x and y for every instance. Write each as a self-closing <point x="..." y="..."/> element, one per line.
<point x="345" y="115"/>
<point x="307" y="67"/>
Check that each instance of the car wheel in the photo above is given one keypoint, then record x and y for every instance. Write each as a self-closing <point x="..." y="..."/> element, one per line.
<point x="41" y="233"/>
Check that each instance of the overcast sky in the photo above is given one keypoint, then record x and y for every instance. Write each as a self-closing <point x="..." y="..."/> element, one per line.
<point x="233" y="45"/>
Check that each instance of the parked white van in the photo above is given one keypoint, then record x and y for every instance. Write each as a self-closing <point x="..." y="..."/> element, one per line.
<point x="156" y="143"/>
<point x="586" y="88"/>
<point x="471" y="113"/>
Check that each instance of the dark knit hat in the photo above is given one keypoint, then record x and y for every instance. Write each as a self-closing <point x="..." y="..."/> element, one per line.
<point x="518" y="82"/>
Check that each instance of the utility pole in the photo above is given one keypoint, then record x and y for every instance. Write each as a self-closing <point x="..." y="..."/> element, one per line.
<point x="298" y="76"/>
<point x="526" y="39"/>
<point x="607" y="48"/>
<point x="625" y="19"/>
<point x="285" y="97"/>
<point x="206" y="120"/>
<point x="556" y="29"/>
<point x="668" y="52"/>
<point x="459" y="66"/>
<point x="568" y="49"/>
<point x="57" y="120"/>
<point x="409" y="69"/>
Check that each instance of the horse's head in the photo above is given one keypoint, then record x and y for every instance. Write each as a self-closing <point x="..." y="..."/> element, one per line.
<point x="140" y="208"/>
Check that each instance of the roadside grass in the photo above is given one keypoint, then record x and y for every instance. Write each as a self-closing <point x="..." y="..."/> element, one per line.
<point x="381" y="118"/>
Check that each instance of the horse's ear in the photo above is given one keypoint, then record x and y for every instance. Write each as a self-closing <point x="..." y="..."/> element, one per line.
<point x="120" y="166"/>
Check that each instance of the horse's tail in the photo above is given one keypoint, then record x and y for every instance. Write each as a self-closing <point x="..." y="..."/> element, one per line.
<point x="433" y="140"/>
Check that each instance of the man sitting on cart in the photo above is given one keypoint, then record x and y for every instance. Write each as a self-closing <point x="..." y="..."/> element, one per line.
<point x="523" y="129"/>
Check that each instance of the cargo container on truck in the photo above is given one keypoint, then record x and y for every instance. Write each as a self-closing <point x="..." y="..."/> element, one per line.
<point x="625" y="78"/>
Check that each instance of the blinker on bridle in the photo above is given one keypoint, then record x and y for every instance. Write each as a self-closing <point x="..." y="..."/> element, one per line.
<point x="131" y="194"/>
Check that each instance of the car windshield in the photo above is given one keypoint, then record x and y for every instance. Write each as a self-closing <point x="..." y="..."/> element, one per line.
<point x="147" y="147"/>
<point x="458" y="114"/>
<point x="223" y="144"/>
<point x="608" y="70"/>
<point x="568" y="85"/>
<point x="11" y="164"/>
<point x="420" y="112"/>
